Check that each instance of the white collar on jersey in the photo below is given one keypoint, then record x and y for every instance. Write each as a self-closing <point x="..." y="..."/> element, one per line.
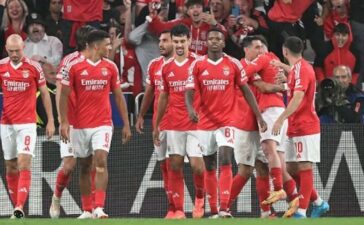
<point x="215" y="62"/>
<point x="93" y="63"/>
<point x="15" y="67"/>
<point x="180" y="63"/>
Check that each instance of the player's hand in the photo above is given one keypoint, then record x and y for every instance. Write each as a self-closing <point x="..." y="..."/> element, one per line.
<point x="50" y="129"/>
<point x="118" y="40"/>
<point x="276" y="130"/>
<point x="193" y="116"/>
<point x="156" y="140"/>
<point x="262" y="124"/>
<point x="280" y="78"/>
<point x="127" y="4"/>
<point x="64" y="129"/>
<point x="126" y="134"/>
<point x="139" y="125"/>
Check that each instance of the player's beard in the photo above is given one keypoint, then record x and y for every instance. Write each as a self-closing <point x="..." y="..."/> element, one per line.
<point x="180" y="52"/>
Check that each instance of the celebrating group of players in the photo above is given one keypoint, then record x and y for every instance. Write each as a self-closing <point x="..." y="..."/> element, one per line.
<point x="205" y="107"/>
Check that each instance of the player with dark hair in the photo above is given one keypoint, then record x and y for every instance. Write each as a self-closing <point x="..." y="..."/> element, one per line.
<point x="152" y="89"/>
<point x="216" y="76"/>
<point x="92" y="79"/>
<point x="68" y="161"/>
<point x="180" y="131"/>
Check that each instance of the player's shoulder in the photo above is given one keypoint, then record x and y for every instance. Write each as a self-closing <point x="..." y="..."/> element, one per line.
<point x="110" y="63"/>
<point x="232" y="60"/>
<point x="32" y="63"/>
<point x="155" y="62"/>
<point x="4" y="61"/>
<point x="70" y="57"/>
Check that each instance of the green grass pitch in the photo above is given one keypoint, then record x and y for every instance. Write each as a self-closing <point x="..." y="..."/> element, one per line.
<point x="236" y="221"/>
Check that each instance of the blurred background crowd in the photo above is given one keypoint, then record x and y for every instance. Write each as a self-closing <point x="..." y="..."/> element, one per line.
<point x="332" y="30"/>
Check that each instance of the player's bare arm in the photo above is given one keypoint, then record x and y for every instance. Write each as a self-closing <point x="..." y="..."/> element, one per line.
<point x="162" y="105"/>
<point x="291" y="108"/>
<point x="249" y="97"/>
<point x="64" y="129"/>
<point x="277" y="63"/>
<point x="58" y="96"/>
<point x="146" y="102"/>
<point x="189" y="104"/>
<point x="268" y="88"/>
<point x="47" y="103"/>
<point x="121" y="105"/>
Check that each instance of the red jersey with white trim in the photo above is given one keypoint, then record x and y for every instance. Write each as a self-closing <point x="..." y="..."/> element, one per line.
<point x="61" y="73"/>
<point x="304" y="121"/>
<point x="216" y="82"/>
<point x="174" y="77"/>
<point x="83" y="10"/>
<point x="154" y="78"/>
<point x="246" y="117"/>
<point x="19" y="85"/>
<point x="267" y="72"/>
<point x="92" y="83"/>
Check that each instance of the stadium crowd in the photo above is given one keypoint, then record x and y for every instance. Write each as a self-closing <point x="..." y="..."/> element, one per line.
<point x="274" y="52"/>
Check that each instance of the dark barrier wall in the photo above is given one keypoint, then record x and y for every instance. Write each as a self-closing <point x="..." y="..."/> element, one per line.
<point x="135" y="187"/>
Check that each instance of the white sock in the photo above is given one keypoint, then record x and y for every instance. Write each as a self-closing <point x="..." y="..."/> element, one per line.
<point x="265" y="214"/>
<point x="302" y="211"/>
<point x="318" y="201"/>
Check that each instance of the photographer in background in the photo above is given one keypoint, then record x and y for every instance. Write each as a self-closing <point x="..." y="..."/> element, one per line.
<point x="338" y="100"/>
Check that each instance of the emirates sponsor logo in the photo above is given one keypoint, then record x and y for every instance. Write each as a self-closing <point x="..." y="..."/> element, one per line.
<point x="94" y="85"/>
<point x="16" y="85"/>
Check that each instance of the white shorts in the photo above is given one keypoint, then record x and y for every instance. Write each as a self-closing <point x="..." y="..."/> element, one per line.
<point x="161" y="151"/>
<point x="210" y="140"/>
<point x="303" y="148"/>
<point x="66" y="148"/>
<point x="18" y="139"/>
<point x="247" y="147"/>
<point x="183" y="143"/>
<point x="270" y="115"/>
<point x="86" y="141"/>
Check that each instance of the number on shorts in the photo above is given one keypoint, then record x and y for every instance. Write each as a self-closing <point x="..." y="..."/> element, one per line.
<point x="299" y="147"/>
<point x="27" y="143"/>
<point x="107" y="139"/>
<point x="229" y="133"/>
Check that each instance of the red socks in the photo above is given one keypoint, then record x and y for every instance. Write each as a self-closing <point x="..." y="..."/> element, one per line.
<point x="100" y="196"/>
<point x="164" y="166"/>
<point x="177" y="188"/>
<point x="93" y="185"/>
<point x="306" y="187"/>
<point x="290" y="188"/>
<point x="198" y="181"/>
<point x="23" y="187"/>
<point x="12" y="180"/>
<point x="263" y="189"/>
<point x="86" y="201"/>
<point x="225" y="182"/>
<point x="61" y="182"/>
<point x="276" y="174"/>
<point x="238" y="184"/>
<point x="211" y="190"/>
<point x="314" y="195"/>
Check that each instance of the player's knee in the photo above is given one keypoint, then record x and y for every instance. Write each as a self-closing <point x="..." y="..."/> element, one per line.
<point x="100" y="169"/>
<point x="198" y="170"/>
<point x="245" y="170"/>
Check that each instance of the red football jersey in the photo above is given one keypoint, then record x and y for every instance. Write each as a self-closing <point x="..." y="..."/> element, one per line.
<point x="19" y="84"/>
<point x="304" y="121"/>
<point x="247" y="120"/>
<point x="267" y="72"/>
<point x="216" y="82"/>
<point x="92" y="83"/>
<point x="154" y="78"/>
<point x="60" y="73"/>
<point x="174" y="76"/>
<point x="83" y="10"/>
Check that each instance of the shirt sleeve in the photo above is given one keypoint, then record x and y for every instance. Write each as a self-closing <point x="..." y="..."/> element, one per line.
<point x="256" y="65"/>
<point x="67" y="74"/>
<point x="192" y="76"/>
<point x="149" y="79"/>
<point x="300" y="80"/>
<point x="39" y="74"/>
<point x="164" y="87"/>
<point x="115" y="77"/>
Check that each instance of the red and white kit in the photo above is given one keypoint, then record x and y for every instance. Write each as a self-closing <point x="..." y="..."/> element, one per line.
<point x="303" y="124"/>
<point x="19" y="84"/>
<point x="216" y="82"/>
<point x="92" y="82"/>
<point x="181" y="131"/>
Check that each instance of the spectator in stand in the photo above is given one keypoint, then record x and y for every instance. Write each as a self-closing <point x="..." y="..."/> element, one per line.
<point x="146" y="43"/>
<point x="2" y="8"/>
<point x="340" y="53"/>
<point x="109" y="13"/>
<point x="38" y="6"/>
<point x="13" y="20"/>
<point x="39" y="46"/>
<point x="284" y="20"/>
<point x="198" y="21"/>
<point x="244" y="20"/>
<point x="337" y="11"/>
<point x="77" y="13"/>
<point x="54" y="20"/>
<point x="357" y="24"/>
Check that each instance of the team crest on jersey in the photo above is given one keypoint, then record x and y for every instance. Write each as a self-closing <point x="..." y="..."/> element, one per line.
<point x="226" y="71"/>
<point x="104" y="71"/>
<point x="25" y="73"/>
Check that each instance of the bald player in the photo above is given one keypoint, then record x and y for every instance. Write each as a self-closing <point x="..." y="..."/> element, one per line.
<point x="20" y="79"/>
